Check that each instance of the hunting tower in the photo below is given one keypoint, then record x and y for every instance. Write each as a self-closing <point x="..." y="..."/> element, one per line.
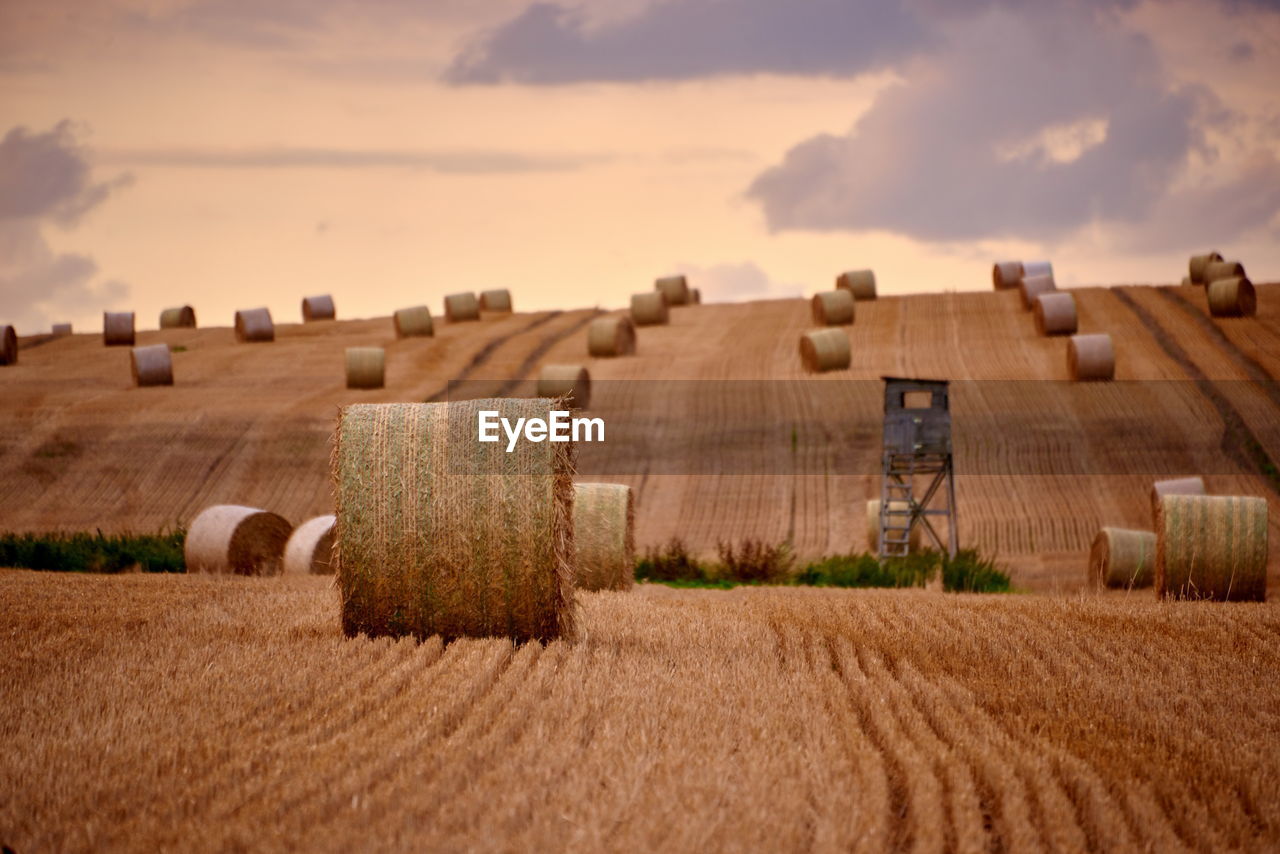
<point x="917" y="447"/>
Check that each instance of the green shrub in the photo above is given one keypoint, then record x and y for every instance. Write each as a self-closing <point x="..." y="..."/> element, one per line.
<point x="671" y="562"/>
<point x="755" y="562"/>
<point x="98" y="552"/>
<point x="970" y="572"/>
<point x="866" y="570"/>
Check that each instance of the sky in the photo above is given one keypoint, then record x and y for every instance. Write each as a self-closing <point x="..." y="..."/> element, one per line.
<point x="236" y="153"/>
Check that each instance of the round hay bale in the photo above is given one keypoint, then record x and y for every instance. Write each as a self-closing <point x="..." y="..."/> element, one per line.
<point x="571" y="382"/>
<point x="1186" y="280"/>
<point x="8" y="345"/>
<point x="1197" y="266"/>
<point x="227" y="538"/>
<point x="366" y="367"/>
<point x="318" y="308"/>
<point x="1215" y="270"/>
<point x="440" y="534"/>
<point x="498" y="300"/>
<point x="674" y="288"/>
<point x="604" y="520"/>
<point x="860" y="283"/>
<point x="182" y="317"/>
<point x="1211" y="547"/>
<point x="1232" y="298"/>
<point x="415" y="321"/>
<point x="1037" y="268"/>
<point x="117" y="329"/>
<point x="649" y="309"/>
<point x="254" y="324"/>
<point x="611" y="336"/>
<point x="1175" y="486"/>
<point x="834" y="308"/>
<point x="151" y="365"/>
<point x="1006" y="274"/>
<point x="873" y="526"/>
<point x="1091" y="357"/>
<point x="825" y="350"/>
<point x="310" y="548"/>
<point x="60" y="329"/>
<point x="1055" y="314"/>
<point x="695" y="296"/>
<point x="1033" y="286"/>
<point x="460" y="307"/>
<point x="1122" y="558"/>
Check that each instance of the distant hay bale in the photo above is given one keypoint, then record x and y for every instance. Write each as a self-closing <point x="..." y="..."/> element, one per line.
<point x="604" y="519"/>
<point x="1176" y="486"/>
<point x="834" y="308"/>
<point x="310" y="548"/>
<point x="611" y="336"/>
<point x="8" y="345"/>
<point x="1197" y="267"/>
<point x="1032" y="287"/>
<point x="1211" y="547"/>
<point x="227" y="538"/>
<point x="60" y="329"/>
<point x="860" y="283"/>
<point x="1215" y="270"/>
<point x="318" y="308"/>
<point x="1055" y="314"/>
<point x="674" y="288"/>
<point x="414" y="322"/>
<point x="182" y="317"/>
<point x="254" y="325"/>
<point x="825" y="350"/>
<point x="497" y="300"/>
<point x="1232" y="298"/>
<point x="695" y="296"/>
<point x="572" y="382"/>
<point x="366" y="367"/>
<point x="1006" y="274"/>
<point x="649" y="309"/>
<point x="439" y="534"/>
<point x="151" y="365"/>
<point x="1122" y="558"/>
<point x="460" y="307"/>
<point x="1037" y="268"/>
<point x="1091" y="357"/>
<point x="117" y="329"/>
<point x="1186" y="280"/>
<point x="873" y="526"/>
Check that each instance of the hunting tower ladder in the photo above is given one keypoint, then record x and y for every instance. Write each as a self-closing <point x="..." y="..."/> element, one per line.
<point x="917" y="444"/>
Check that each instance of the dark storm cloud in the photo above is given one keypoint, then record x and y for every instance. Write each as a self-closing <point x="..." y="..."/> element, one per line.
<point x="47" y="175"/>
<point x="454" y="162"/>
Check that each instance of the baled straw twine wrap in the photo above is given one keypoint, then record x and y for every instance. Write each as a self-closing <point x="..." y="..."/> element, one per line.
<point x="834" y="308"/>
<point x="1232" y="298"/>
<point x="873" y="525"/>
<point x="254" y="324"/>
<point x="1032" y="287"/>
<point x="825" y="350"/>
<point x="1006" y="275"/>
<point x="61" y="329"/>
<point x="460" y="307"/>
<point x="415" y="321"/>
<point x="611" y="336"/>
<point x="1211" y="547"/>
<point x="310" y="548"/>
<point x="496" y="300"/>
<point x="860" y="283"/>
<point x="181" y="317"/>
<point x="366" y="367"/>
<point x="1055" y="314"/>
<point x="227" y="538"/>
<point x="604" y="519"/>
<point x="1122" y="558"/>
<point x="1091" y="357"/>
<point x="1197" y="265"/>
<point x="117" y="329"/>
<point x="1215" y="270"/>
<point x="318" y="308"/>
<point x="438" y="533"/>
<point x="649" y="309"/>
<point x="675" y="289"/>
<point x="1037" y="268"/>
<point x="571" y="382"/>
<point x="151" y="365"/>
<point x="8" y="345"/>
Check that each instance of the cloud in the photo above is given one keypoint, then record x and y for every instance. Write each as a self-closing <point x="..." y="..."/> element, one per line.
<point x="453" y="162"/>
<point x="47" y="175"/>
<point x="736" y="282"/>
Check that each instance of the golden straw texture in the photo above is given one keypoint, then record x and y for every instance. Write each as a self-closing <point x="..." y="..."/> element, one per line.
<point x="182" y="317"/>
<point x="1006" y="275"/>
<point x="604" y="536"/>
<point x="1091" y="357"/>
<point x="825" y="350"/>
<point x="1122" y="558"/>
<point x="8" y="345"/>
<point x="415" y="321"/>
<point x="1232" y="298"/>
<point x="318" y="308"/>
<point x="1211" y="547"/>
<point x="649" y="309"/>
<point x="496" y="300"/>
<point x="255" y="325"/>
<point x="860" y="283"/>
<point x="460" y="307"/>
<point x="571" y="382"/>
<point x="834" y="308"/>
<point x="117" y="329"/>
<point x="1032" y="287"/>
<point x="310" y="548"/>
<point x="151" y="365"/>
<point x="227" y="538"/>
<point x="1215" y="270"/>
<point x="366" y="367"/>
<point x="611" y="336"/>
<point x="675" y="289"/>
<point x="1055" y="314"/>
<point x="1197" y="266"/>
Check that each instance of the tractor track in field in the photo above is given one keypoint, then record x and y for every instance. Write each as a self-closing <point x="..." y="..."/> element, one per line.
<point x="482" y="355"/>
<point x="544" y="346"/>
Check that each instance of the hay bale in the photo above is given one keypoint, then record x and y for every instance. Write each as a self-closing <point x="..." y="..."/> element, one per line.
<point x="649" y="309"/>
<point x="825" y="350"/>
<point x="366" y="367"/>
<point x="1175" y="486"/>
<point x="440" y="534"/>
<point x="117" y="329"/>
<point x="182" y="317"/>
<point x="318" y="308"/>
<point x="1055" y="314"/>
<point x="310" y="548"/>
<point x="254" y="324"/>
<point x="1091" y="357"/>
<point x="498" y="300"/>
<point x="1197" y="266"/>
<point x="604" y="520"/>
<point x="1122" y="558"/>
<point x="60" y="329"/>
<point x="611" y="336"/>
<point x="1037" y="268"/>
<point x="695" y="296"/>
<point x="571" y="382"/>
<point x="860" y="283"/>
<point x="227" y="538"/>
<point x="415" y="321"/>
<point x="460" y="307"/>
<point x="675" y="289"/>
<point x="1211" y="547"/>
<point x="1186" y="280"/>
<point x="1006" y="274"/>
<point x="1232" y="298"/>
<point x="1032" y="287"/>
<point x="1215" y="270"/>
<point x="8" y="345"/>
<point x="151" y="365"/>
<point x="873" y="526"/>
<point x="834" y="308"/>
